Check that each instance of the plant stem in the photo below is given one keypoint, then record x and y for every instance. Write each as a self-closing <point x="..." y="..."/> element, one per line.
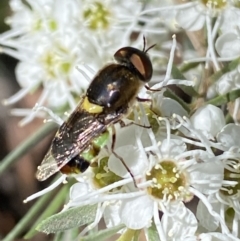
<point x="26" y="145"/>
<point x="50" y="210"/>
<point x="21" y="225"/>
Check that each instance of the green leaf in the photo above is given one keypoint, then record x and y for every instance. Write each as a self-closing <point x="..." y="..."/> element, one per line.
<point x="58" y="236"/>
<point x="187" y="66"/>
<point x="170" y="94"/>
<point x="50" y="209"/>
<point x="231" y="66"/>
<point x="189" y="90"/>
<point x="224" y="99"/>
<point x="228" y="118"/>
<point x="103" y="234"/>
<point x="74" y="217"/>
<point x="176" y="74"/>
<point x="152" y="233"/>
<point x="130" y="235"/>
<point x="26" y="145"/>
<point x="136" y="235"/>
<point x="27" y="219"/>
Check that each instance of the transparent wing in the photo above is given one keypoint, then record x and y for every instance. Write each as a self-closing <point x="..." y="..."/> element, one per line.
<point x="72" y="138"/>
<point x="48" y="167"/>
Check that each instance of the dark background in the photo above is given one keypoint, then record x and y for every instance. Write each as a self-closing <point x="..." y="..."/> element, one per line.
<point x="19" y="180"/>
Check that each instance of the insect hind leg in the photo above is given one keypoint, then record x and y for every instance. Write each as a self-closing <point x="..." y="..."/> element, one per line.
<point x="119" y="157"/>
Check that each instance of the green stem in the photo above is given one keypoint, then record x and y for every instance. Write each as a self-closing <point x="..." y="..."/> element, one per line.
<point x="224" y="99"/>
<point x="26" y="145"/>
<point x="188" y="66"/>
<point x="50" y="209"/>
<point x="58" y="236"/>
<point x="21" y="225"/>
<point x="128" y="235"/>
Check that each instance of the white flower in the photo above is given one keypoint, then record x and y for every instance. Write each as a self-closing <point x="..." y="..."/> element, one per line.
<point x="50" y="39"/>
<point x="194" y="17"/>
<point x="229" y="137"/>
<point x="226" y="201"/>
<point x="181" y="226"/>
<point x="173" y="154"/>
<point x="228" y="44"/>
<point x="215" y="237"/>
<point x="228" y="82"/>
<point x="166" y="175"/>
<point x="169" y="170"/>
<point x="209" y="119"/>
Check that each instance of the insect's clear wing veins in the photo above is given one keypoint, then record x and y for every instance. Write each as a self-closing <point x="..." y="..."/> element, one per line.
<point x="48" y="167"/>
<point x="71" y="139"/>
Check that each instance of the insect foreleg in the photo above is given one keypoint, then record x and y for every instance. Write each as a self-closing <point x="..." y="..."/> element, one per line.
<point x="123" y="124"/>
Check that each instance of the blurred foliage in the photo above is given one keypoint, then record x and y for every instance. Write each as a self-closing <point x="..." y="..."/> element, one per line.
<point x="4" y="12"/>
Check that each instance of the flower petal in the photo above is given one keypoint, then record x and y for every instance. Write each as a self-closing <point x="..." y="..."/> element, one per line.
<point x="209" y="119"/>
<point x="190" y="19"/>
<point x="111" y="215"/>
<point x="229" y="136"/>
<point x="207" y="177"/>
<point x="182" y="225"/>
<point x="205" y="218"/>
<point x="228" y="45"/>
<point x="136" y="213"/>
<point x="133" y="158"/>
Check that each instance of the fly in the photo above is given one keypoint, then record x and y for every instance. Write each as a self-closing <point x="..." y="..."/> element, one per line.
<point x="107" y="100"/>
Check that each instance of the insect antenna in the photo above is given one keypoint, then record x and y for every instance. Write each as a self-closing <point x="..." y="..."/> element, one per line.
<point x="149" y="48"/>
<point x="144" y="45"/>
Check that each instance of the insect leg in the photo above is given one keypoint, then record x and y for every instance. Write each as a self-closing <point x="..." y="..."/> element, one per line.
<point x="150" y="89"/>
<point x="123" y="124"/>
<point x="146" y="100"/>
<point x="149" y="100"/>
<point x="143" y="100"/>
<point x="119" y="157"/>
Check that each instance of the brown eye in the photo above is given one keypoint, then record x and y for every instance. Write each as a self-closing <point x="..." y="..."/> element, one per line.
<point x="132" y="57"/>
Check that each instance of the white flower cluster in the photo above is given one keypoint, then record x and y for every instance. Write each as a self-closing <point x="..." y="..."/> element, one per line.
<point x="186" y="175"/>
<point x="185" y="169"/>
<point x="52" y="38"/>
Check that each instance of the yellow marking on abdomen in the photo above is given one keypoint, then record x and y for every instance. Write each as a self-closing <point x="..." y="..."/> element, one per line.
<point x="90" y="107"/>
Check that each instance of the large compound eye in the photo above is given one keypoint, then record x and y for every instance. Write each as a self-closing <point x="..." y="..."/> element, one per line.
<point x="136" y="58"/>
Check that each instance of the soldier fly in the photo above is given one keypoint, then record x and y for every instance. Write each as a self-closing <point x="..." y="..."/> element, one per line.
<point x="107" y="100"/>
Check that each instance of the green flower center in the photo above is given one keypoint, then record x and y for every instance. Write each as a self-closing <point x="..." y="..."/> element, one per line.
<point x="52" y="24"/>
<point x="54" y="63"/>
<point x="97" y="16"/>
<point x="38" y="24"/>
<point x="168" y="181"/>
<point x="236" y="3"/>
<point x="232" y="173"/>
<point x="214" y="4"/>
<point x="103" y="176"/>
<point x="229" y="216"/>
<point x="150" y="113"/>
